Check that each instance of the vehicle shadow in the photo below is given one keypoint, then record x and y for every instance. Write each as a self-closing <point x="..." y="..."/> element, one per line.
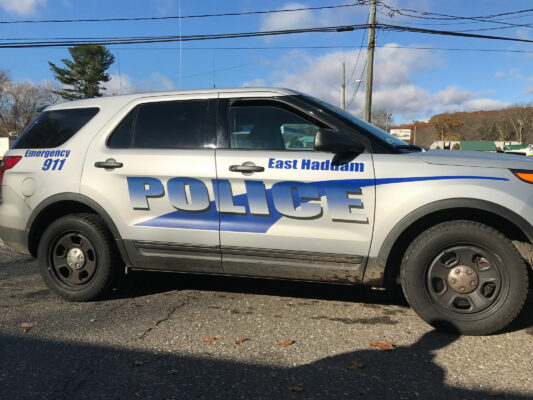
<point x="142" y="283"/>
<point x="36" y="368"/>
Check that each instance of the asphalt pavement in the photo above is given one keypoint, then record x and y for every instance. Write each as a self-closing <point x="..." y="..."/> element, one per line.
<point x="170" y="336"/>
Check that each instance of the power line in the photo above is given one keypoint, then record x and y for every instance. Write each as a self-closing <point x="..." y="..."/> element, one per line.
<point x="162" y="39"/>
<point x="447" y="17"/>
<point x="173" y="38"/>
<point x="232" y="14"/>
<point x="401" y="28"/>
<point x="357" y="60"/>
<point x="358" y="85"/>
<point x="321" y="47"/>
<point x="388" y="14"/>
<point x="438" y="16"/>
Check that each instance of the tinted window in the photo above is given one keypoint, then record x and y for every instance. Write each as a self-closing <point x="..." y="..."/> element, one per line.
<point x="172" y="124"/>
<point x="264" y="127"/>
<point x="53" y="128"/>
<point x="122" y="136"/>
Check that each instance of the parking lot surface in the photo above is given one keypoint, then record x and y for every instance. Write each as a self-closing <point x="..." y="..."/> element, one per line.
<point x="166" y="336"/>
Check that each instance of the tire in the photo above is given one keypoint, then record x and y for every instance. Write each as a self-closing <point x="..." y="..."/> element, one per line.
<point x="77" y="257"/>
<point x="464" y="277"/>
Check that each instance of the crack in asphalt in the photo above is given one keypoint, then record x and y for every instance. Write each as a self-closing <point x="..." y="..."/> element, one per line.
<point x="166" y="318"/>
<point x="91" y="365"/>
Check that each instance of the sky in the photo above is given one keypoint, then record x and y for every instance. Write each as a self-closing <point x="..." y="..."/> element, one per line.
<point x="409" y="82"/>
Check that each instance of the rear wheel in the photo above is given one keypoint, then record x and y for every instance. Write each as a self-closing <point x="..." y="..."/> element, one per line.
<point x="464" y="277"/>
<point x="77" y="257"/>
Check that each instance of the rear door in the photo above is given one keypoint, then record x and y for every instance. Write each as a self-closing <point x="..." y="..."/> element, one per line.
<point x="286" y="209"/>
<point x="152" y="170"/>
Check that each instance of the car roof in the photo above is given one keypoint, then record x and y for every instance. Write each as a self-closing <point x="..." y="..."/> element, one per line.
<point x="124" y="99"/>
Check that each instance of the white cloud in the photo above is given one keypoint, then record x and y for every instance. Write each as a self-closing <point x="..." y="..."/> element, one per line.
<point x="119" y="85"/>
<point x="484" y="104"/>
<point x="289" y="20"/>
<point x="310" y="18"/>
<point x="254" y="83"/>
<point x="528" y="91"/>
<point x="452" y="95"/>
<point x="394" y="89"/>
<point x="124" y="84"/>
<point x="22" y="7"/>
<point x="166" y="7"/>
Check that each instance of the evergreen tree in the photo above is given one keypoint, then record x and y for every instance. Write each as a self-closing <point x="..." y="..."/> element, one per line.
<point x="84" y="74"/>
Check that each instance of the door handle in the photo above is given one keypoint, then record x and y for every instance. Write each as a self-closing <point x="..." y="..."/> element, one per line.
<point x="246" y="168"/>
<point x="108" y="164"/>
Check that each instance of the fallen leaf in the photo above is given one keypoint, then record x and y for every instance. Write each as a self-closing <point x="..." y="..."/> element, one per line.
<point x="211" y="339"/>
<point x="296" y="389"/>
<point x="241" y="341"/>
<point x="355" y="365"/>
<point x="212" y="294"/>
<point x="363" y="304"/>
<point x="139" y="363"/>
<point x="495" y="394"/>
<point x="26" y="326"/>
<point x="387" y="346"/>
<point x="286" y="342"/>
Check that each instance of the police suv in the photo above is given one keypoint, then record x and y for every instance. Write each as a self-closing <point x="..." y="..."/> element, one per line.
<point x="270" y="183"/>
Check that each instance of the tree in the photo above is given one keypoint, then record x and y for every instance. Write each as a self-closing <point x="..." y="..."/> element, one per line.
<point x="446" y="126"/>
<point x="521" y="119"/>
<point x="3" y="83"/>
<point x="20" y="103"/>
<point x="382" y="119"/>
<point x="84" y="74"/>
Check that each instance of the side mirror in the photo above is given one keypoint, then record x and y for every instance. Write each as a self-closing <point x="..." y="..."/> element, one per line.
<point x="336" y="142"/>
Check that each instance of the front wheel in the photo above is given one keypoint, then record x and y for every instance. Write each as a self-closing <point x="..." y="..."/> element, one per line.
<point x="77" y="257"/>
<point x="464" y="277"/>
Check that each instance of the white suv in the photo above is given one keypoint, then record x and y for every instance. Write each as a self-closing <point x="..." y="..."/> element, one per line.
<point x="268" y="183"/>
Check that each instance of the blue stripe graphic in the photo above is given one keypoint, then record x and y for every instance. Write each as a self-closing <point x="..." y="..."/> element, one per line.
<point x="211" y="219"/>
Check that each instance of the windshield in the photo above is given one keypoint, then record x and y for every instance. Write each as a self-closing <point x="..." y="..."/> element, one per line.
<point x="386" y="137"/>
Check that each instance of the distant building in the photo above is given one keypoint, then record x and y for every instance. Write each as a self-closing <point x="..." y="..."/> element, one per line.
<point x="468" y="145"/>
<point x="519" y="149"/>
<point x="472" y="145"/>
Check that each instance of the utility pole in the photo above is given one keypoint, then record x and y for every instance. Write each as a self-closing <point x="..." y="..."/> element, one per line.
<point x="370" y="61"/>
<point x="415" y="122"/>
<point x="343" y="100"/>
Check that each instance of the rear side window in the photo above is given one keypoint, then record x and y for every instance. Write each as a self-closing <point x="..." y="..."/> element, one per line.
<point x="123" y="134"/>
<point x="171" y="124"/>
<point x="53" y="128"/>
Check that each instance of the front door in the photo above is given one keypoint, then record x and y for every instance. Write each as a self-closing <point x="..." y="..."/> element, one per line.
<point x="287" y="210"/>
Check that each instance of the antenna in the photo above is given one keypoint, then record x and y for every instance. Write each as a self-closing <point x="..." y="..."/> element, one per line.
<point x="179" y="14"/>
<point x="214" y="76"/>
<point x="119" y="73"/>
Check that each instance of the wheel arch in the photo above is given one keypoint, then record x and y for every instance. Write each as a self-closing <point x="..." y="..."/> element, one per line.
<point x="63" y="204"/>
<point x="384" y="269"/>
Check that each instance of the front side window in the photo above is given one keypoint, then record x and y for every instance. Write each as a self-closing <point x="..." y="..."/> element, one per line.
<point x="169" y="124"/>
<point x="53" y="128"/>
<point x="268" y="127"/>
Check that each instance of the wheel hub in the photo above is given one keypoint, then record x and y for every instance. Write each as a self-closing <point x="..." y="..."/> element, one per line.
<point x="463" y="279"/>
<point x="75" y="258"/>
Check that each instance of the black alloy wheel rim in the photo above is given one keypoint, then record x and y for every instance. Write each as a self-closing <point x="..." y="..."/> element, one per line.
<point x="465" y="279"/>
<point x="73" y="259"/>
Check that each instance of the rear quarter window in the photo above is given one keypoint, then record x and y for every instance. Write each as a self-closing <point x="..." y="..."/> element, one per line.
<point x="53" y="128"/>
